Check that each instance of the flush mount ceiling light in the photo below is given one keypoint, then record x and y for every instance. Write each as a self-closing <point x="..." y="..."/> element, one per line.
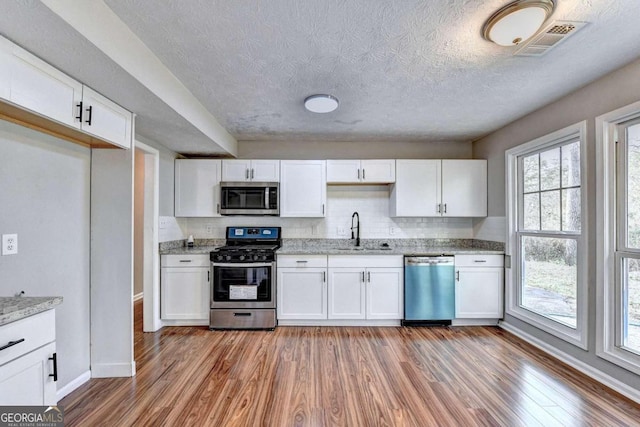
<point x="517" y="21"/>
<point x="321" y="103"/>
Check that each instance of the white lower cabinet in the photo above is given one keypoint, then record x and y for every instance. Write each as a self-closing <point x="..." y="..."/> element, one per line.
<point x="365" y="293"/>
<point x="302" y="287"/>
<point x="347" y="293"/>
<point x="479" y="286"/>
<point x="185" y="288"/>
<point x="28" y="367"/>
<point x="365" y="287"/>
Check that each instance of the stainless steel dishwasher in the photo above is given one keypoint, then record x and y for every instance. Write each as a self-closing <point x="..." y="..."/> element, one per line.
<point x="429" y="290"/>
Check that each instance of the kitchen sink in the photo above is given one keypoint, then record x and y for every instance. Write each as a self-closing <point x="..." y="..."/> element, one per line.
<point x="358" y="249"/>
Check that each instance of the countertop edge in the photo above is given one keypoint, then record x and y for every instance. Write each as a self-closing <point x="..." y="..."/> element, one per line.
<point x="28" y="306"/>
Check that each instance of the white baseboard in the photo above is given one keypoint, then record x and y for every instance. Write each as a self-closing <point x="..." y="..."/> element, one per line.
<point x="596" y="374"/>
<point x="138" y="297"/>
<point x="73" y="384"/>
<point x="337" y="322"/>
<point x="112" y="370"/>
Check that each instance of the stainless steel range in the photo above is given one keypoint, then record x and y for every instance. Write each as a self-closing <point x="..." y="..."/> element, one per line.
<point x="243" y="294"/>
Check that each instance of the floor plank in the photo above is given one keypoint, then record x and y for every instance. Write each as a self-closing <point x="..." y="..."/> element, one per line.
<point x="333" y="376"/>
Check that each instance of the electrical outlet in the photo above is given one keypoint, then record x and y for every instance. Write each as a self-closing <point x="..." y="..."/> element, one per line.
<point x="342" y="231"/>
<point x="393" y="230"/>
<point x="209" y="229"/>
<point x="9" y="244"/>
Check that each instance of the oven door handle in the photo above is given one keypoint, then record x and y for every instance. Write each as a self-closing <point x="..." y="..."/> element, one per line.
<point x="266" y="198"/>
<point x="244" y="264"/>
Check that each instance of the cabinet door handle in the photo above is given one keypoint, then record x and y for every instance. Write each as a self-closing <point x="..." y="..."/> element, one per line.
<point x="55" y="366"/>
<point x="251" y="173"/>
<point x="324" y="276"/>
<point x="302" y="261"/>
<point x="363" y="177"/>
<point x="438" y="208"/>
<point x="369" y="276"/>
<point x="185" y="260"/>
<point x="218" y="207"/>
<point x="458" y="276"/>
<point x="79" y="116"/>
<point x="479" y="260"/>
<point x="445" y="208"/>
<point x="358" y="174"/>
<point x="363" y="276"/>
<point x="11" y="344"/>
<point x="323" y="209"/>
<point x="208" y="275"/>
<point x="246" y="174"/>
<point x="89" y="110"/>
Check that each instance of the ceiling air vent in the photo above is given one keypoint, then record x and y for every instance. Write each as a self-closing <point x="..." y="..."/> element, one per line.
<point x="549" y="38"/>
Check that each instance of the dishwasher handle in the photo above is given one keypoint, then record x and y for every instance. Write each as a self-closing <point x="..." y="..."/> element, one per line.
<point x="428" y="260"/>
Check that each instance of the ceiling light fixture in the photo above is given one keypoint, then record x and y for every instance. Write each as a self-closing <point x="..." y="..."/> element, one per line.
<point x="321" y="103"/>
<point x="517" y="21"/>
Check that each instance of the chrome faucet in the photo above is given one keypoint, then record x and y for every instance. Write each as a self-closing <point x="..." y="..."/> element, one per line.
<point x="357" y="226"/>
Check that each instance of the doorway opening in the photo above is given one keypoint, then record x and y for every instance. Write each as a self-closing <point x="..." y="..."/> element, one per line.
<point x="146" y="256"/>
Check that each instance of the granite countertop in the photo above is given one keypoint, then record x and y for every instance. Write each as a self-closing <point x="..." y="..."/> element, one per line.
<point x="16" y="308"/>
<point x="347" y="247"/>
<point x="388" y="247"/>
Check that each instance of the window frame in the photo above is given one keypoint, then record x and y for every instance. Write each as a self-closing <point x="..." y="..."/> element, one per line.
<point x="577" y="336"/>
<point x="612" y="248"/>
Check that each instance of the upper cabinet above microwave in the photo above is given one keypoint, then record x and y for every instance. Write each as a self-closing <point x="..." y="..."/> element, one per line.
<point x="251" y="170"/>
<point x="377" y="171"/>
<point x="41" y="96"/>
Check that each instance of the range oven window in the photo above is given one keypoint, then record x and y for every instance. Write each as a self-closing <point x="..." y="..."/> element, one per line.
<point x="242" y="283"/>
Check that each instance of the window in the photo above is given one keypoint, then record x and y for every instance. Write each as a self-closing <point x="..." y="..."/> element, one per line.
<point x="618" y="278"/>
<point x="547" y="284"/>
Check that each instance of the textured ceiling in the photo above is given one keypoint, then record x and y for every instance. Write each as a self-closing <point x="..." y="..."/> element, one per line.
<point x="403" y="70"/>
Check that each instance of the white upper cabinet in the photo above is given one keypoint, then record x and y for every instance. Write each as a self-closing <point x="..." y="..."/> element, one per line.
<point x="32" y="84"/>
<point x="197" y="187"/>
<point x="427" y="188"/>
<point x="416" y="192"/>
<point x="303" y="188"/>
<point x="251" y="170"/>
<point x="375" y="171"/>
<point x="464" y="188"/>
<point x="106" y="119"/>
<point x="39" y="87"/>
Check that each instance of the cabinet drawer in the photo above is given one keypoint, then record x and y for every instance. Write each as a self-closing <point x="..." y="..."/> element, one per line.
<point x="366" y="261"/>
<point x="36" y="331"/>
<point x="479" y="260"/>
<point x="302" y="261"/>
<point x="200" y="260"/>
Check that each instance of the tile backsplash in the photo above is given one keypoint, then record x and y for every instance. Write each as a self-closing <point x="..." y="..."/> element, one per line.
<point x="370" y="201"/>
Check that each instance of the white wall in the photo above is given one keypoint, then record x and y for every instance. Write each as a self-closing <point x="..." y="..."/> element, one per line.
<point x="370" y="201"/>
<point x="165" y="176"/>
<point x="45" y="199"/>
<point x="615" y="90"/>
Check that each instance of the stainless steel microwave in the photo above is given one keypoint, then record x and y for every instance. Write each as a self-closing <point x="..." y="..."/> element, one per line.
<point x="249" y="198"/>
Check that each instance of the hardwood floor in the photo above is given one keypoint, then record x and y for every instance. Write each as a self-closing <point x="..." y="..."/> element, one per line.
<point x="315" y="376"/>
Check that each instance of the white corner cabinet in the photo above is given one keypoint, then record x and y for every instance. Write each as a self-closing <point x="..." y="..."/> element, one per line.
<point x="28" y="361"/>
<point x="375" y="171"/>
<point x="479" y="286"/>
<point x="185" y="289"/>
<point x="439" y="188"/>
<point x="302" y="287"/>
<point x="303" y="188"/>
<point x="251" y="170"/>
<point x="197" y="187"/>
<point x="35" y="86"/>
